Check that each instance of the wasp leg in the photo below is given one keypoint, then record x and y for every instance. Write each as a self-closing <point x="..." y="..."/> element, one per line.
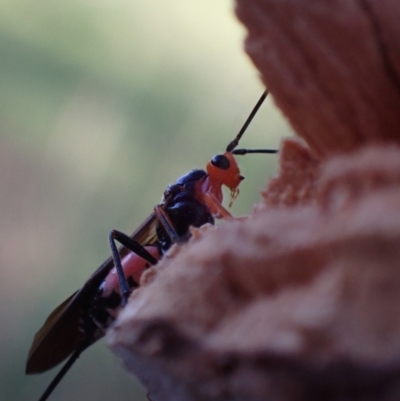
<point x="166" y="222"/>
<point x="72" y="359"/>
<point x="133" y="246"/>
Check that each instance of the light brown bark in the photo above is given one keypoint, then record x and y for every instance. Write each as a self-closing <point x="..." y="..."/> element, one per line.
<point x="301" y="301"/>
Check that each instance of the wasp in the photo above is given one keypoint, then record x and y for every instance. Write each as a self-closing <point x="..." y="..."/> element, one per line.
<point x="194" y="199"/>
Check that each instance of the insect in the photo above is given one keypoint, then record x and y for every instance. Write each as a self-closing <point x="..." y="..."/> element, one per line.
<point x="193" y="200"/>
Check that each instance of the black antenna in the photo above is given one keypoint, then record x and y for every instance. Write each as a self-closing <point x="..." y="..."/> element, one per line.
<point x="246" y="151"/>
<point x="235" y="142"/>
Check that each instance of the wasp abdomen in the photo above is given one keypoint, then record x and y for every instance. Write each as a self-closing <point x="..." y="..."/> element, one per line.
<point x="107" y="302"/>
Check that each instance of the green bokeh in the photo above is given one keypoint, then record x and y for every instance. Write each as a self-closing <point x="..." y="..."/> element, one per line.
<point x="102" y="104"/>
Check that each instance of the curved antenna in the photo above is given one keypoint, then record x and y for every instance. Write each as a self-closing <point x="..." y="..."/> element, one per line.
<point x="246" y="151"/>
<point x="235" y="142"/>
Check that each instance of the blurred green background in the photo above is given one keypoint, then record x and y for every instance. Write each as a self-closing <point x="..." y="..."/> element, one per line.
<point x="102" y="104"/>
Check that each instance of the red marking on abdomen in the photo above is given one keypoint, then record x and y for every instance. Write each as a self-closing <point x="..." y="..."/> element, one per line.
<point x="133" y="266"/>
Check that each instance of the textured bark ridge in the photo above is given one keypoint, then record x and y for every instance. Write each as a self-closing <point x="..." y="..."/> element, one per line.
<point x="333" y="66"/>
<point x="301" y="300"/>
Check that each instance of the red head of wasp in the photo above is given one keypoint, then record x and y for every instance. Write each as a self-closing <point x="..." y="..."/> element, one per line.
<point x="192" y="200"/>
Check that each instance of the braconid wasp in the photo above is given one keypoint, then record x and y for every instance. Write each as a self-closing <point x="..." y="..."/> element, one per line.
<point x="192" y="200"/>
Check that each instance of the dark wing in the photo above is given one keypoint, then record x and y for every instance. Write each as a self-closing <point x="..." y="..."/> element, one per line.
<point x="60" y="335"/>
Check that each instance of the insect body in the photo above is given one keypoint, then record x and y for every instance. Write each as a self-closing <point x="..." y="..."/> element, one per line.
<point x="193" y="200"/>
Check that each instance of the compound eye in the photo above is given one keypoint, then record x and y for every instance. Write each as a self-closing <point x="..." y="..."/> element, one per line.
<point x="221" y="162"/>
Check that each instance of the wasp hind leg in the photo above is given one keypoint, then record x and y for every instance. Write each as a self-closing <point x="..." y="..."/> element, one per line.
<point x="133" y="246"/>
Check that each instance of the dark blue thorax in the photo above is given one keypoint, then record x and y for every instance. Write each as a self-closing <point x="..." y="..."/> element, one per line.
<point x="183" y="209"/>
